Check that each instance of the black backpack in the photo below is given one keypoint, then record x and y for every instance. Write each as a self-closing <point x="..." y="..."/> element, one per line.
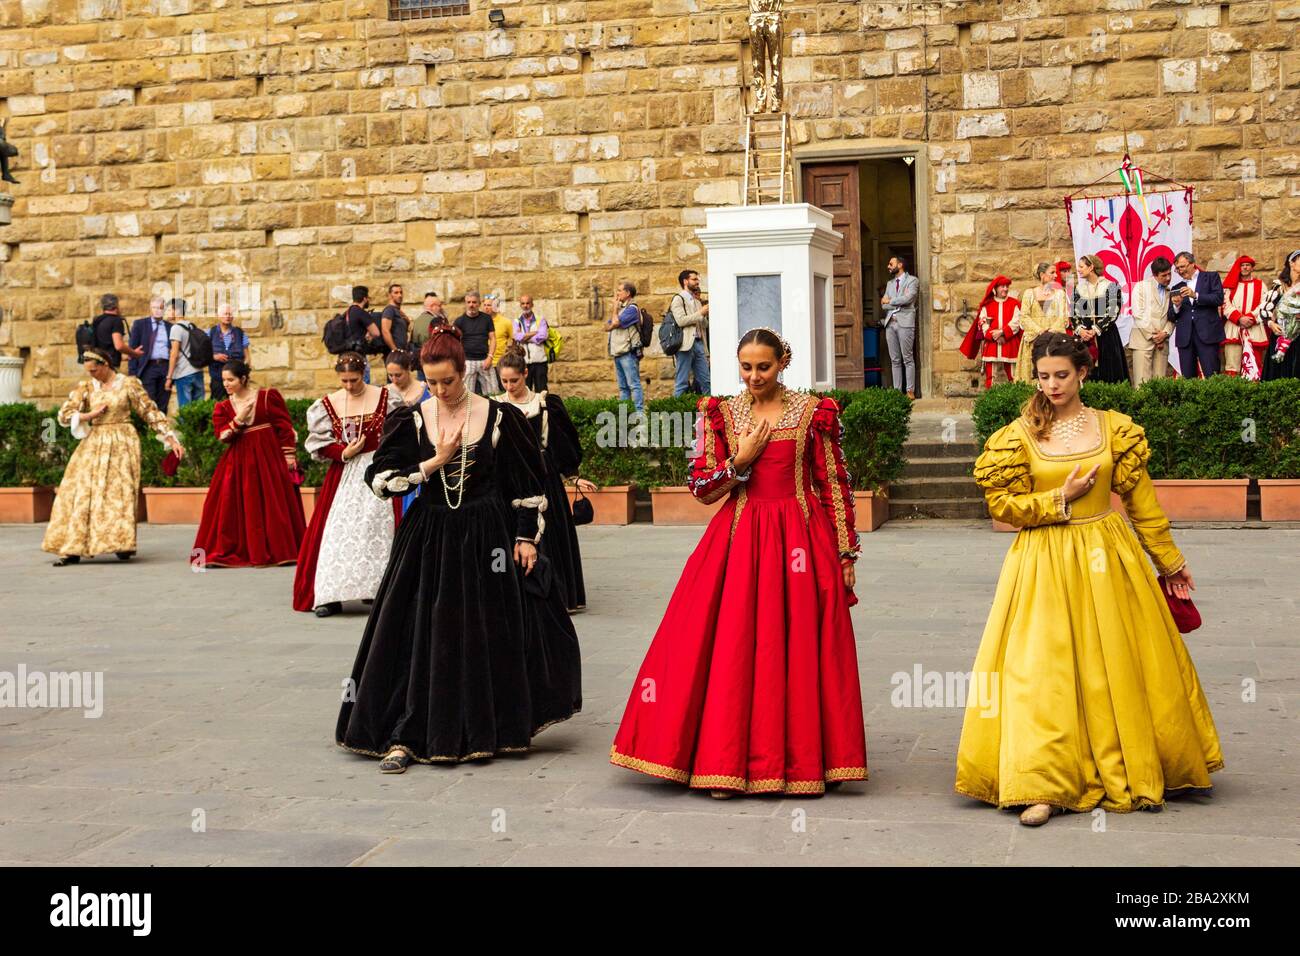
<point x="199" y="352"/>
<point x="670" y="333"/>
<point x="335" y="334"/>
<point x="85" y="337"/>
<point x="646" y="327"/>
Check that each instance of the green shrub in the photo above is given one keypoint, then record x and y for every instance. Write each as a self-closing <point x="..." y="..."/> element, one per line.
<point x="876" y="422"/>
<point x="1221" y="427"/>
<point x="34" y="447"/>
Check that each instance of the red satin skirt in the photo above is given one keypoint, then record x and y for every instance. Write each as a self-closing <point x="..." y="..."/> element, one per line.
<point x="751" y="681"/>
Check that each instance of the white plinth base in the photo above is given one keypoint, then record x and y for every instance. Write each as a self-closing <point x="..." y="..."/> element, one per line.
<point x="771" y="266"/>
<point x="11" y="379"/>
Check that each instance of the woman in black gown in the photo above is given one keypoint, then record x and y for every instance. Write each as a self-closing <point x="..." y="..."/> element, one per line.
<point x="1094" y="313"/>
<point x="461" y="658"/>
<point x="563" y="454"/>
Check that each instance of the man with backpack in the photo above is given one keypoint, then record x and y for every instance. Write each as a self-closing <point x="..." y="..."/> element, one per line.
<point x="107" y="331"/>
<point x="683" y="332"/>
<point x="626" y="336"/>
<point x="191" y="353"/>
<point x="356" y="330"/>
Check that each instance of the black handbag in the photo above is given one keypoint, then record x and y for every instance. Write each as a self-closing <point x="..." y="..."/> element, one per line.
<point x="537" y="582"/>
<point x="583" y="512"/>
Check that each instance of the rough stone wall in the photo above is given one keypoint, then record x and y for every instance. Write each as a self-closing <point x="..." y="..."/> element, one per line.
<point x="289" y="149"/>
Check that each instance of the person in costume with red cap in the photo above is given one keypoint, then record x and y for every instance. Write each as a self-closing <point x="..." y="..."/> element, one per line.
<point x="999" y="322"/>
<point x="1243" y="295"/>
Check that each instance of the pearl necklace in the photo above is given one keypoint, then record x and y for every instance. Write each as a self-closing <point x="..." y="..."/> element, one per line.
<point x="458" y="485"/>
<point x="1067" y="431"/>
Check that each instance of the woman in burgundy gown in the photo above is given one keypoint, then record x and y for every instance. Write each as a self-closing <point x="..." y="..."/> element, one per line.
<point x="751" y="682"/>
<point x="252" y="516"/>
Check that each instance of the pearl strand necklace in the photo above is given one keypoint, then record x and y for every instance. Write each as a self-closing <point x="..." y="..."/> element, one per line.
<point x="459" y="485"/>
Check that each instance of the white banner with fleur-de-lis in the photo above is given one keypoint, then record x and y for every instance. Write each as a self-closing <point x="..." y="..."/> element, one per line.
<point x="1129" y="232"/>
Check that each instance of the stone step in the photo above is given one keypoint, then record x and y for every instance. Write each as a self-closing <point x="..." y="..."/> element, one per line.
<point x="934" y="467"/>
<point x="935" y="508"/>
<point x="936" y="487"/>
<point x="968" y="451"/>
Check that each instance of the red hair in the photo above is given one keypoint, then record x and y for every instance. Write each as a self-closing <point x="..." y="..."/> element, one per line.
<point x="443" y="345"/>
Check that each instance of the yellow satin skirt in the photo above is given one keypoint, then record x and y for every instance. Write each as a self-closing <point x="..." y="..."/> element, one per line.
<point x="1083" y="693"/>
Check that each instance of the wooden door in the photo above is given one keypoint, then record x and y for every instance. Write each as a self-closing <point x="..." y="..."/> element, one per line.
<point x="834" y="188"/>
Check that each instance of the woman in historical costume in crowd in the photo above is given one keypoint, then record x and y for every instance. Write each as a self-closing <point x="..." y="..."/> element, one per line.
<point x="94" y="511"/>
<point x="468" y="651"/>
<point x="751" y="682"/>
<point x="1280" y="314"/>
<point x="402" y="367"/>
<point x="1094" y="315"/>
<point x="1083" y="693"/>
<point x="252" y="515"/>
<point x="995" y="333"/>
<point x="1043" y="308"/>
<point x="562" y="452"/>
<point x="1242" y="327"/>
<point x="346" y="546"/>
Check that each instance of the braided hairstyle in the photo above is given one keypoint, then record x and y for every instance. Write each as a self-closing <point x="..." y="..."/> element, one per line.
<point x="1038" y="412"/>
<point x="350" y="362"/>
<point x="443" y="345"/>
<point x="773" y="340"/>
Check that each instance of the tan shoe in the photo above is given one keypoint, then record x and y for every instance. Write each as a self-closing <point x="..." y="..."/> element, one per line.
<point x="721" y="794"/>
<point x="1038" y="814"/>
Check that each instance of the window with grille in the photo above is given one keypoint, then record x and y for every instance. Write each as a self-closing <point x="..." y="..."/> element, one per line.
<point x="419" y="9"/>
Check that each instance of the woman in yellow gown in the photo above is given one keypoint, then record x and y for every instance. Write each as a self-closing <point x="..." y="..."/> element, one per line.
<point x="94" y="511"/>
<point x="1090" y="698"/>
<point x="1044" y="308"/>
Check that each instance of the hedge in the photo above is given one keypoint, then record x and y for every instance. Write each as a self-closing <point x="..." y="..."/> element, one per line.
<point x="1220" y="427"/>
<point x="875" y="421"/>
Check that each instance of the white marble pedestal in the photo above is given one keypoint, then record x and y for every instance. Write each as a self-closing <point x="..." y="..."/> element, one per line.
<point x="771" y="266"/>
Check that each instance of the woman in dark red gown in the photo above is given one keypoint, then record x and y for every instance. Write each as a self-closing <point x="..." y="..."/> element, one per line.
<point x="751" y="682"/>
<point x="252" y="515"/>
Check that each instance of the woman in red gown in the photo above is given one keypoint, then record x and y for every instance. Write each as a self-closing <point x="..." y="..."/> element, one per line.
<point x="751" y="682"/>
<point x="252" y="516"/>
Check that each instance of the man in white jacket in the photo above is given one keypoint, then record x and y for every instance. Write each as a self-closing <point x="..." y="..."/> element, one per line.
<point x="692" y="317"/>
<point x="1148" y="341"/>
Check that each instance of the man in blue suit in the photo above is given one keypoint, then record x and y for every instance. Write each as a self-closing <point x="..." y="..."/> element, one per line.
<point x="1194" y="309"/>
<point x="150" y="336"/>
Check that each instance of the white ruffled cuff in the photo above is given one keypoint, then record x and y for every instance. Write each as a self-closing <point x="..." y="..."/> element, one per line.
<point x="394" y="483"/>
<point x="78" y="428"/>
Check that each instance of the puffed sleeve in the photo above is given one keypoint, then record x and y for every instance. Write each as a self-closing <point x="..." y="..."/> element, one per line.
<point x="519" y="471"/>
<point x="395" y="468"/>
<point x="70" y="411"/>
<point x="320" y="441"/>
<point x="831" y="476"/>
<point x="562" y="437"/>
<point x="1003" y="471"/>
<point x="223" y="418"/>
<point x="1129" y="479"/>
<point x="711" y="476"/>
<point x="278" y="414"/>
<point x="144" y="406"/>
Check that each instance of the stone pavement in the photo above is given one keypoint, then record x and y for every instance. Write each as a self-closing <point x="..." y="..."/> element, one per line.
<point x="216" y="741"/>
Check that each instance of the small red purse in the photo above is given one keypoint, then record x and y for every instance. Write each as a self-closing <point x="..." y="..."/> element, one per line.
<point x="1186" y="617"/>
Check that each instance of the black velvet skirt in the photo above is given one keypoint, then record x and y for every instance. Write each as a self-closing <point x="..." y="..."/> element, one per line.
<point x="458" y="661"/>
<point x="1111" y="363"/>
<point x="560" y="543"/>
<point x="1289" y="367"/>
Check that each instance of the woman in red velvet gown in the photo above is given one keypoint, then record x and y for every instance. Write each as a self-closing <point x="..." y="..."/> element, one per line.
<point x="751" y="682"/>
<point x="252" y="516"/>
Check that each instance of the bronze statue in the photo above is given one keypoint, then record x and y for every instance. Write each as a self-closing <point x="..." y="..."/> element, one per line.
<point x="765" y="42"/>
<point x="7" y="149"/>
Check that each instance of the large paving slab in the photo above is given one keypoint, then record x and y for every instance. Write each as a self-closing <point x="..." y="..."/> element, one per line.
<point x="215" y="746"/>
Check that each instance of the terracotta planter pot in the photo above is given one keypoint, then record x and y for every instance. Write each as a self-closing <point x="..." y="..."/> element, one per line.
<point x="871" y="509"/>
<point x="25" y="505"/>
<point x="174" y="505"/>
<point x="675" y="505"/>
<point x="615" y="504"/>
<point x="308" y="501"/>
<point x="1192" y="499"/>
<point x="1279" y="499"/>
